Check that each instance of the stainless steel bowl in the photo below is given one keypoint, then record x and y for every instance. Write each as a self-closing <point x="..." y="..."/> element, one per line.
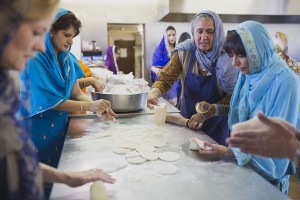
<point x="122" y="103"/>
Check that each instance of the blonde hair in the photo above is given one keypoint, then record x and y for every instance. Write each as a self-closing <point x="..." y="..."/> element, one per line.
<point x="40" y="8"/>
<point x="14" y="12"/>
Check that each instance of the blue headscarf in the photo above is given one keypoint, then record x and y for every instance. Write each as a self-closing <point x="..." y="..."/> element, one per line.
<point x="270" y="87"/>
<point x="225" y="72"/>
<point x="160" y="55"/>
<point x="60" y="12"/>
<point x="265" y="66"/>
<point x="52" y="78"/>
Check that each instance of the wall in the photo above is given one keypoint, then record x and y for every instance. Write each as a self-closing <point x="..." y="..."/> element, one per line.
<point x="95" y="14"/>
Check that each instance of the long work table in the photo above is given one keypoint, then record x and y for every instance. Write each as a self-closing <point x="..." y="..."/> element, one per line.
<point x="90" y="143"/>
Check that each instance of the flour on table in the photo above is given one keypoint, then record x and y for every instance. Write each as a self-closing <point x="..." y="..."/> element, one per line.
<point x="168" y="156"/>
<point x="119" y="150"/>
<point x="167" y="169"/>
<point x="112" y="165"/>
<point x="145" y="148"/>
<point x="136" y="160"/>
<point x="195" y="144"/>
<point x="149" y="155"/>
<point x="132" y="154"/>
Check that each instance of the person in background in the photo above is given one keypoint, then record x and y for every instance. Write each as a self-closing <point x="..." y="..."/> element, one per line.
<point x="54" y="89"/>
<point x="161" y="57"/>
<point x="267" y="136"/>
<point x="281" y="45"/>
<point x="266" y="84"/>
<point x="184" y="36"/>
<point x="21" y="174"/>
<point x="90" y="78"/>
<point x="206" y="74"/>
<point x="112" y="57"/>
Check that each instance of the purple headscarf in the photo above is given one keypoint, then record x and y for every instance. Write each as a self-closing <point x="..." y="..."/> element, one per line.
<point x="110" y="61"/>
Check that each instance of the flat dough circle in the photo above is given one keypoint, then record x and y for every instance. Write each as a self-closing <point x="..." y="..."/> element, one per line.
<point x="167" y="169"/>
<point x="168" y="156"/>
<point x="145" y="148"/>
<point x="121" y="150"/>
<point x="132" y="154"/>
<point x="158" y="143"/>
<point x="136" y="160"/>
<point x="128" y="146"/>
<point x="149" y="155"/>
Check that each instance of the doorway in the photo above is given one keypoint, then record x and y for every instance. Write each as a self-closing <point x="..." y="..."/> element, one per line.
<point x="130" y="39"/>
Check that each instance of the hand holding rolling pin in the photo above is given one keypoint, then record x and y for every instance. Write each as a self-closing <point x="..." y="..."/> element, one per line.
<point x="204" y="111"/>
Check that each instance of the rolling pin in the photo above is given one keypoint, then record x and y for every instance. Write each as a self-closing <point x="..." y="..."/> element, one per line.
<point x="98" y="191"/>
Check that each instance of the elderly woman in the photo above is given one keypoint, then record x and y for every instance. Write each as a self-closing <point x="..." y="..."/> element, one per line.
<point x="161" y="57"/>
<point x="21" y="175"/>
<point x="55" y="90"/>
<point x="266" y="84"/>
<point x="206" y="74"/>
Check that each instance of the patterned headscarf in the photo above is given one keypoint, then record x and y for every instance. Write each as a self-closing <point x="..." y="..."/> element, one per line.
<point x="264" y="65"/>
<point x="281" y="42"/>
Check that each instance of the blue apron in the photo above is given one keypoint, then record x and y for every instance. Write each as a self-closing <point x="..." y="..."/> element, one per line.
<point x="204" y="88"/>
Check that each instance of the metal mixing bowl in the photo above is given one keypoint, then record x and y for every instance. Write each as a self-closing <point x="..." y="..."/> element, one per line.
<point x="122" y="103"/>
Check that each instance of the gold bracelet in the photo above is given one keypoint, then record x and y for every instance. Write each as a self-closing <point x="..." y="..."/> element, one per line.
<point x="187" y="123"/>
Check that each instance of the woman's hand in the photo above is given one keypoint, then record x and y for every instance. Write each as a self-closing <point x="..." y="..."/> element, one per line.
<point x="152" y="98"/>
<point x="107" y="117"/>
<point x="216" y="150"/>
<point x="98" y="84"/>
<point x="101" y="106"/>
<point x="75" y="179"/>
<point x="264" y="136"/>
<point x="156" y="70"/>
<point x="197" y="120"/>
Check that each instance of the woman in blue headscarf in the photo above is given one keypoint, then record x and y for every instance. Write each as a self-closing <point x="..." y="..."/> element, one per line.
<point x="55" y="90"/>
<point x="161" y="57"/>
<point x="265" y="83"/>
<point x="206" y="74"/>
